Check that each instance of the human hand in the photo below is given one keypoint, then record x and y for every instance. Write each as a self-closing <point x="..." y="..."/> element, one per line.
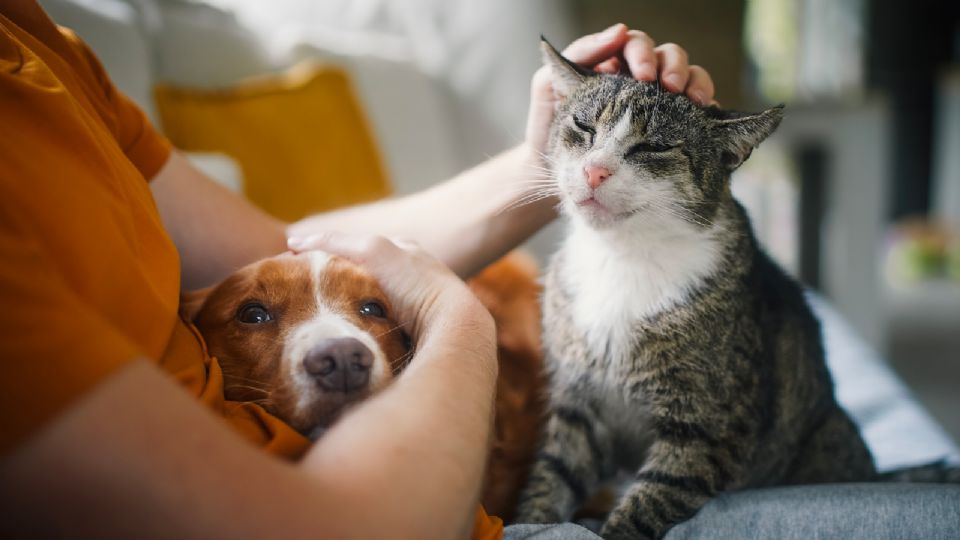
<point x="429" y="298"/>
<point x="617" y="50"/>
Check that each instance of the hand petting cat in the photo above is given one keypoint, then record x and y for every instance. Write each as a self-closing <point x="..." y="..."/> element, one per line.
<point x="618" y="49"/>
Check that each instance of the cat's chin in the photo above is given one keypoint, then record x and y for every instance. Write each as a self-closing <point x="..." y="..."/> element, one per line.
<point x="598" y="216"/>
<point x="600" y="223"/>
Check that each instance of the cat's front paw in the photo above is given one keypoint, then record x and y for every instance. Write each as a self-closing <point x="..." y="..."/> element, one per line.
<point x="622" y="529"/>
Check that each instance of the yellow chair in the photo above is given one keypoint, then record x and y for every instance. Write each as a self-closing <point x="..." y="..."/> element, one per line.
<point x="300" y="138"/>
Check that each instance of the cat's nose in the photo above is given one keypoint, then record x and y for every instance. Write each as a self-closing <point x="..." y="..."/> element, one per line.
<point x="596" y="175"/>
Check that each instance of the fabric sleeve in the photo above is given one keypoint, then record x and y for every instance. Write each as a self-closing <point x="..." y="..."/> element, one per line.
<point x="486" y="527"/>
<point x="52" y="347"/>
<point x="143" y="145"/>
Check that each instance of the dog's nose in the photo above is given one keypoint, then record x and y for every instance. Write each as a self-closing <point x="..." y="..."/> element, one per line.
<point x="340" y="364"/>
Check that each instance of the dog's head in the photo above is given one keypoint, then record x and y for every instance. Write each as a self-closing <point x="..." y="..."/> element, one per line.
<point x="305" y="336"/>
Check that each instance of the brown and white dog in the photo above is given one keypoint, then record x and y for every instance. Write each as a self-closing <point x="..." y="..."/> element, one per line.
<point x="308" y="335"/>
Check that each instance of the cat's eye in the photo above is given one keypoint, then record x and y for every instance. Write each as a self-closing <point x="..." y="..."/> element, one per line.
<point x="373" y="309"/>
<point x="253" y="313"/>
<point x="648" y="148"/>
<point x="582" y="126"/>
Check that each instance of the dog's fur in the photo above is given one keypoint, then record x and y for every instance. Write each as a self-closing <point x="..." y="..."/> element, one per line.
<point x="296" y="303"/>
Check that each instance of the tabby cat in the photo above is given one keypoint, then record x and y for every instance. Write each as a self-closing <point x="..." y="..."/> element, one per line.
<point x="677" y="350"/>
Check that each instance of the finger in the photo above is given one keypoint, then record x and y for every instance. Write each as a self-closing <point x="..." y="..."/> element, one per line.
<point x="594" y="48"/>
<point x="640" y="56"/>
<point x="610" y="65"/>
<point x="700" y="86"/>
<point x="299" y="244"/>
<point x="674" y="70"/>
<point x="357" y="247"/>
<point x="407" y="244"/>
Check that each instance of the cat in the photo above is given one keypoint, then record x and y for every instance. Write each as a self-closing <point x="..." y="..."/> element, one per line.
<point x="676" y="348"/>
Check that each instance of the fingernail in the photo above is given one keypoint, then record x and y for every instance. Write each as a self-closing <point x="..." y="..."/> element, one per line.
<point x="609" y="33"/>
<point x="296" y="242"/>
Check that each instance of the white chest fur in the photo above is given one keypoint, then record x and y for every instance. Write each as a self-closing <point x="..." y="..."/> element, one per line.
<point x="621" y="276"/>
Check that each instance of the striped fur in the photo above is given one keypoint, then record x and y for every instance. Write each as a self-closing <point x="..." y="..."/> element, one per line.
<point x="676" y="349"/>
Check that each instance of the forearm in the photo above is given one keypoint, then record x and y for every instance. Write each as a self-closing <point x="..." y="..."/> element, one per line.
<point x="428" y="434"/>
<point x="215" y="231"/>
<point x="466" y="222"/>
<point x="137" y="457"/>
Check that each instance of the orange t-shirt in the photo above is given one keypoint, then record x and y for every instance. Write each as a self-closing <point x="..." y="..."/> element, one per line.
<point x="89" y="278"/>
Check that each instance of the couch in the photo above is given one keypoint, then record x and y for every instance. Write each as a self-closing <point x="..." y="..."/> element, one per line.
<point x="418" y="105"/>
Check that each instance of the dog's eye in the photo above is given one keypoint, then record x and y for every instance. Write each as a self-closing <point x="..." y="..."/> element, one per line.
<point x="254" y="314"/>
<point x="373" y="309"/>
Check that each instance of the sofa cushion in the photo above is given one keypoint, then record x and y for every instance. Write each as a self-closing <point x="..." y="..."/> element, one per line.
<point x="898" y="430"/>
<point x="300" y="138"/>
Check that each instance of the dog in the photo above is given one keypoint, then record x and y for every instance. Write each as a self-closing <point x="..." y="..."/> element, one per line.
<point x="306" y="336"/>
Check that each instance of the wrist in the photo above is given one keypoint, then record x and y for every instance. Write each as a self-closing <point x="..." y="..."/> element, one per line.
<point x="461" y="328"/>
<point x="532" y="155"/>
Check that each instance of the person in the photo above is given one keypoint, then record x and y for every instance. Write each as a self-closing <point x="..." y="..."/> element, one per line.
<point x="114" y="413"/>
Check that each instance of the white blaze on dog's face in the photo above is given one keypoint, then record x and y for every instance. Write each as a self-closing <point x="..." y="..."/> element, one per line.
<point x="303" y="335"/>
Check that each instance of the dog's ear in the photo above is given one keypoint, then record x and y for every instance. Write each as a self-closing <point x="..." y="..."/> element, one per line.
<point x="192" y="301"/>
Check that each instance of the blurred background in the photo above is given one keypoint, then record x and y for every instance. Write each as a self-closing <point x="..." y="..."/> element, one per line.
<point x="857" y="194"/>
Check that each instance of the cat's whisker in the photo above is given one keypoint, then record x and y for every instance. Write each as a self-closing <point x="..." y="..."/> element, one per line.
<point x="693" y="213"/>
<point x="678" y="209"/>
<point x="680" y="213"/>
<point x="537" y="183"/>
<point x="539" y="167"/>
<point x="529" y="199"/>
<point x="536" y="192"/>
<point x="544" y="187"/>
<point x="537" y="189"/>
<point x="525" y="197"/>
<point x="542" y="176"/>
<point x="547" y="177"/>
<point x="547" y="158"/>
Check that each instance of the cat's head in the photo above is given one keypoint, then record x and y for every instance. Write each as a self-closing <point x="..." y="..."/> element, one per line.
<point x="622" y="150"/>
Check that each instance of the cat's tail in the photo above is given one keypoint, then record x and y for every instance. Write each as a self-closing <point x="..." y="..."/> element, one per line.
<point x="938" y="472"/>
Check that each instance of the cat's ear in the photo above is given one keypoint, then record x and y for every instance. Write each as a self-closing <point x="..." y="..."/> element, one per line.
<point x="564" y="74"/>
<point x="739" y="133"/>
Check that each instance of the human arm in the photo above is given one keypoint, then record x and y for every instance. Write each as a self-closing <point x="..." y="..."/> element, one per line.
<point x="137" y="457"/>
<point x="467" y="222"/>
<point x="477" y="216"/>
